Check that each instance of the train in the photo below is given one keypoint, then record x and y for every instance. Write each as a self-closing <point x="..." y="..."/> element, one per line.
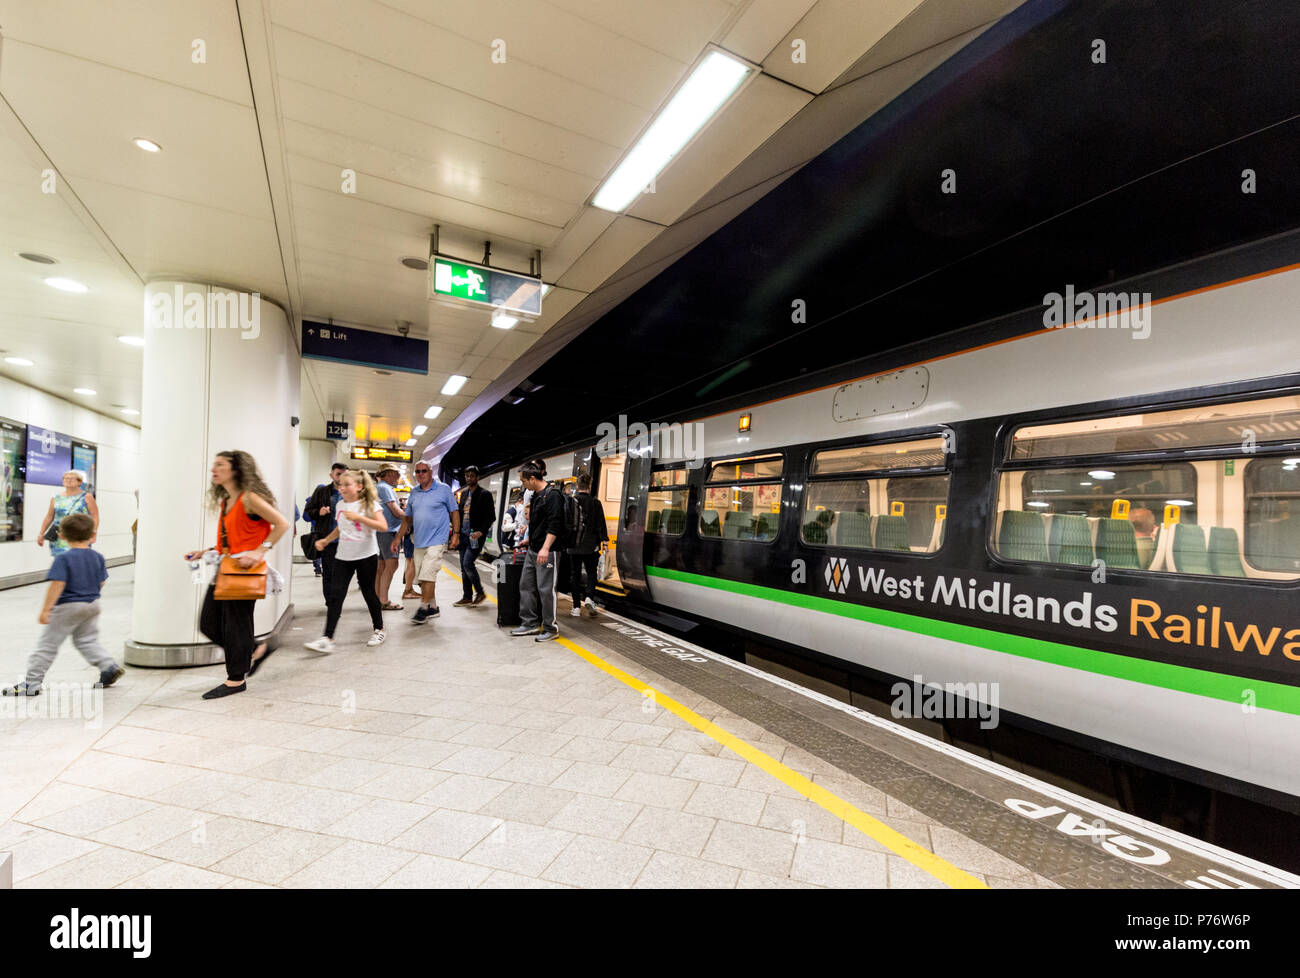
<point x="1096" y="516"/>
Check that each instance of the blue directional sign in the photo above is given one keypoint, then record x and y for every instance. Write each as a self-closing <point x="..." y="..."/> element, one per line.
<point x="364" y="347"/>
<point x="336" y="430"/>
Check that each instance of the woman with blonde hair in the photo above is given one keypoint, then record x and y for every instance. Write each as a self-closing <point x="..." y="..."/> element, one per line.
<point x="248" y="528"/>
<point x="75" y="498"/>
<point x="359" y="518"/>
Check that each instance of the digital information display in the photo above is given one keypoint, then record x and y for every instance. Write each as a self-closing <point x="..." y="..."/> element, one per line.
<point x="84" y="457"/>
<point x="13" y="457"/>
<point x="372" y="453"/>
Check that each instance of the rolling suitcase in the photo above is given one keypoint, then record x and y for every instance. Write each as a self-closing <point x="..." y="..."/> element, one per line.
<point x="506" y="572"/>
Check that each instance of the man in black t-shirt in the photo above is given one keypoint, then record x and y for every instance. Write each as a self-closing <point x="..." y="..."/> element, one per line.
<point x="476" y="516"/>
<point x="585" y="552"/>
<point x="537" y="583"/>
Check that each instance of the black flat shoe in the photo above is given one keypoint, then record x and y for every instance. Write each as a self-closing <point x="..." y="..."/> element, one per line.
<point x="224" y="690"/>
<point x="257" y="663"/>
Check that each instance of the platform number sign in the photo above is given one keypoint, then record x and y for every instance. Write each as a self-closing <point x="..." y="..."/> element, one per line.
<point x="336" y="430"/>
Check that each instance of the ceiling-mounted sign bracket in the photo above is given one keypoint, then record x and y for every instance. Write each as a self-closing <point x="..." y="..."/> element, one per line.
<point x="463" y="282"/>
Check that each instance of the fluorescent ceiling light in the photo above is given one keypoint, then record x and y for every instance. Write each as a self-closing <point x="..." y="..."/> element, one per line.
<point x="84" y="390"/>
<point x="503" y="321"/>
<point x="420" y="429"/>
<point x="1037" y="504"/>
<point x="454" y="384"/>
<point x="131" y="340"/>
<point x="410" y="443"/>
<point x="710" y="85"/>
<point x="19" y="361"/>
<point x="66" y="285"/>
<point x="433" y="411"/>
<point x="130" y="411"/>
<point x="1102" y="474"/>
<point x="148" y="145"/>
<point x="1179" y="502"/>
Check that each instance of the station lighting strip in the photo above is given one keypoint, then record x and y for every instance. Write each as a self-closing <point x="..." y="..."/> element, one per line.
<point x="712" y="83"/>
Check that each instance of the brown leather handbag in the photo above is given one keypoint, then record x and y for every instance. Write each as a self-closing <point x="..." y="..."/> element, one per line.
<point x="235" y="583"/>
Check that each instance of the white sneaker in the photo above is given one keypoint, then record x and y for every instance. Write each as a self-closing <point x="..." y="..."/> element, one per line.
<point x="321" y="644"/>
<point x="590" y="606"/>
<point x="378" y="638"/>
<point x="576" y="612"/>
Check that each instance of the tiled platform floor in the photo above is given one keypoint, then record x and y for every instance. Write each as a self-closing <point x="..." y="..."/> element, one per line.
<point x="452" y="756"/>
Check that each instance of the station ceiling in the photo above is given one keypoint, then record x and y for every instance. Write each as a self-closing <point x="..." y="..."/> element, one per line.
<point x="1068" y="170"/>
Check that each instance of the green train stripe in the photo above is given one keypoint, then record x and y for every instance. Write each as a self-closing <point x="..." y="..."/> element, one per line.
<point x="1183" y="679"/>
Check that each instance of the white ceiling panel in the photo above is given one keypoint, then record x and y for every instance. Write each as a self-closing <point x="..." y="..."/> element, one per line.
<point x="155" y="40"/>
<point x="678" y="28"/>
<point x="211" y="151"/>
<point x="547" y="37"/>
<point x="836" y="33"/>
<point x="762" y="25"/>
<point x="620" y="242"/>
<point x="388" y="36"/>
<point x="446" y="161"/>
<point x="412" y="96"/>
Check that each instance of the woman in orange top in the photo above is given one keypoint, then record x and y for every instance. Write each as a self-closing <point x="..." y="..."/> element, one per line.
<point x="250" y="526"/>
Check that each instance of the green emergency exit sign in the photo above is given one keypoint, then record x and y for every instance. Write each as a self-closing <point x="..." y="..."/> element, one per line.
<point x="460" y="281"/>
<point x="492" y="287"/>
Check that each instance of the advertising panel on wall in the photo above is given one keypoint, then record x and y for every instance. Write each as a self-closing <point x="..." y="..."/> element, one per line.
<point x="13" y="458"/>
<point x="84" y="456"/>
<point x="49" y="455"/>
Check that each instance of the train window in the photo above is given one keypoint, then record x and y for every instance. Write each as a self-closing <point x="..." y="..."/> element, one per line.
<point x="1272" y="517"/>
<point x="1197" y="510"/>
<point x="872" y="510"/>
<point x="666" y="511"/>
<point x="1243" y="423"/>
<point x="923" y="453"/>
<point x="751" y="467"/>
<point x="741" y="512"/>
<point x="669" y="477"/>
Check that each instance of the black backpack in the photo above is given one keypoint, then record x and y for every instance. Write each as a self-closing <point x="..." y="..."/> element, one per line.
<point x="572" y="520"/>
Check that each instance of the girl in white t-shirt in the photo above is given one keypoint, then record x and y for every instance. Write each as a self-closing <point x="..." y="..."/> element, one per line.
<point x="359" y="517"/>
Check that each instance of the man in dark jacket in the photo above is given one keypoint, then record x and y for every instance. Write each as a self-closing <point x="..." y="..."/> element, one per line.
<point x="537" y="583"/>
<point x="585" y="552"/>
<point x="320" y="510"/>
<point x="477" y="513"/>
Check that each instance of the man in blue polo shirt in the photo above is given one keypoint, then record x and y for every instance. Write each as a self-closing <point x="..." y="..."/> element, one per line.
<point x="430" y="510"/>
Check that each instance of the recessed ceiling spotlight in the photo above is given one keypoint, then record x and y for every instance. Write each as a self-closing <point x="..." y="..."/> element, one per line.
<point x="419" y="429"/>
<point x="454" y="383"/>
<point x="502" y="321"/>
<point x="148" y="145"/>
<point x="130" y="411"/>
<point x="84" y="390"/>
<point x="19" y="361"/>
<point x="419" y="264"/>
<point x="434" y="411"/>
<point x="131" y="340"/>
<point x="38" y="258"/>
<point x="66" y="285"/>
<point x="410" y="443"/>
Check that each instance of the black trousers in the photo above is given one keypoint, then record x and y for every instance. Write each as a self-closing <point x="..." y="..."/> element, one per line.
<point x="229" y="624"/>
<point x="576" y="563"/>
<point x="327" y="569"/>
<point x="341" y="579"/>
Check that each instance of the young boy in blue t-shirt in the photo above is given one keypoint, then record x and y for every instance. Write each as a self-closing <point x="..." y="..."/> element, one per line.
<point x="71" y="609"/>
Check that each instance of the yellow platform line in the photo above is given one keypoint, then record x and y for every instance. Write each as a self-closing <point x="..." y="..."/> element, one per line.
<point x="916" y="854"/>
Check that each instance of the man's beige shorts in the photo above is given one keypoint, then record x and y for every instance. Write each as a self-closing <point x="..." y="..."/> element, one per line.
<point x="428" y="561"/>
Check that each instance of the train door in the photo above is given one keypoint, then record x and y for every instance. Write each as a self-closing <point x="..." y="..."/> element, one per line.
<point x="608" y="488"/>
<point x="493" y="484"/>
<point x="631" y="525"/>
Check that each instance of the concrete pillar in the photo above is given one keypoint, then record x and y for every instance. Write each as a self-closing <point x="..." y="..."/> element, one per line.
<point x="221" y="372"/>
